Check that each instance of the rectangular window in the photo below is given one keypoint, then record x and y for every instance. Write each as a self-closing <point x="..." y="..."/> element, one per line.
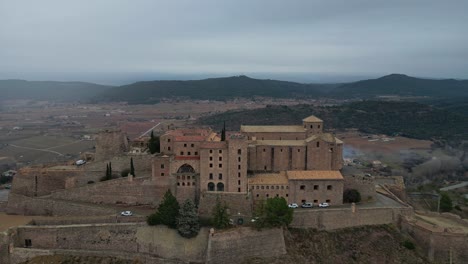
<point x="220" y="158"/>
<point x="168" y="140"/>
<point x="220" y="165"/>
<point x="188" y="153"/>
<point x="238" y="174"/>
<point x="169" y="148"/>
<point x="220" y="176"/>
<point x="318" y="144"/>
<point x="315" y="201"/>
<point x="302" y="187"/>
<point x="162" y="166"/>
<point x="211" y="158"/>
<point x="238" y="167"/>
<point x="258" y="187"/>
<point x="238" y="189"/>
<point x="192" y="145"/>
<point x="196" y="153"/>
<point x="239" y="159"/>
<point x="211" y="176"/>
<point x="327" y="201"/>
<point x="298" y="150"/>
<point x="211" y="165"/>
<point x="211" y="151"/>
<point x="185" y="145"/>
<point x="329" y="187"/>
<point x="181" y="153"/>
<point x="239" y="151"/>
<point x="316" y="187"/>
<point x="162" y="173"/>
<point x="238" y="182"/>
<point x="28" y="243"/>
<point x="220" y="151"/>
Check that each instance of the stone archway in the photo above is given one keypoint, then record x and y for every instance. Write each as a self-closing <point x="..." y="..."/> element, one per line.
<point x="211" y="187"/>
<point x="220" y="187"/>
<point x="186" y="168"/>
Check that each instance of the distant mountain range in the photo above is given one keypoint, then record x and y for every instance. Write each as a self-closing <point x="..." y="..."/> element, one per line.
<point x="49" y="90"/>
<point x="232" y="87"/>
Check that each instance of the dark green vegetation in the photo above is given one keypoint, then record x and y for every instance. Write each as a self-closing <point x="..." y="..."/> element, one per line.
<point x="403" y="85"/>
<point x="187" y="222"/>
<point x="108" y="175"/>
<point x="154" y="144"/>
<point x="167" y="213"/>
<point x="392" y="118"/>
<point x="367" y="244"/>
<point x="132" y="168"/>
<point x="220" y="217"/>
<point x="274" y="213"/>
<point x="445" y="202"/>
<point x="53" y="91"/>
<point x="351" y="196"/>
<point x="213" y="89"/>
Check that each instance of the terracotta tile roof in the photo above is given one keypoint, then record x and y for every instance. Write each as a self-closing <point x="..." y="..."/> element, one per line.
<point x="189" y="138"/>
<point x="269" y="178"/>
<point x="279" y="142"/>
<point x="272" y="129"/>
<point x="312" y="118"/>
<point x="314" y="175"/>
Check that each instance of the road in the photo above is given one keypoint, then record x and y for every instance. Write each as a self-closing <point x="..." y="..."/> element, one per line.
<point x="380" y="201"/>
<point x="456" y="186"/>
<point x="45" y="150"/>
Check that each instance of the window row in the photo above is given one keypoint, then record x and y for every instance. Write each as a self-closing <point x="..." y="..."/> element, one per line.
<point x="219" y="151"/>
<point x="268" y="195"/>
<point x="220" y="176"/>
<point x="277" y="187"/>
<point x="189" y="153"/>
<point x="185" y="177"/>
<point x="185" y="184"/>
<point x="191" y="145"/>
<point x="219" y="187"/>
<point x="316" y="187"/>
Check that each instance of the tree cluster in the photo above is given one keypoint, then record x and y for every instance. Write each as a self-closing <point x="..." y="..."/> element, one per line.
<point x="220" y="216"/>
<point x="274" y="213"/>
<point x="169" y="213"/>
<point x="351" y="196"/>
<point x="154" y="144"/>
<point x="108" y="175"/>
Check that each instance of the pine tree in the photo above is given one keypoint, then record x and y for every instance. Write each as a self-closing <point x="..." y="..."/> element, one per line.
<point x="220" y="217"/>
<point x="154" y="144"/>
<point x="223" y="132"/>
<point x="167" y="213"/>
<point x="132" y="168"/>
<point x="188" y="224"/>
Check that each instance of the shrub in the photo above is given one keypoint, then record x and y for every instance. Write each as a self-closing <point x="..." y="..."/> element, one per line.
<point x="445" y="203"/>
<point x="274" y="213"/>
<point x="409" y="245"/>
<point x="351" y="196"/>
<point x="220" y="217"/>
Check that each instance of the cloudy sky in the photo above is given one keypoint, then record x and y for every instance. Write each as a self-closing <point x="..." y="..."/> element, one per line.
<point x="115" y="41"/>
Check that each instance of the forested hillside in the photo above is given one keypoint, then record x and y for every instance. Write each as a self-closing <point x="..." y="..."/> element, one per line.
<point x="404" y="118"/>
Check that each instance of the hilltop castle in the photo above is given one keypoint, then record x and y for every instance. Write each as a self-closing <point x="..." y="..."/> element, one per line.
<point x="299" y="163"/>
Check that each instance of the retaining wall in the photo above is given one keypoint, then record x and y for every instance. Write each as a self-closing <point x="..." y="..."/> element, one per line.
<point x="20" y="204"/>
<point x="438" y="244"/>
<point x="238" y="203"/>
<point x="329" y="219"/>
<point x="365" y="185"/>
<point x="234" y="246"/>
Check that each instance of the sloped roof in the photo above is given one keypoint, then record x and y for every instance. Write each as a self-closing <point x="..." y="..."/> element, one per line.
<point x="312" y="118"/>
<point x="269" y="178"/>
<point x="272" y="129"/>
<point x="314" y="175"/>
<point x="279" y="142"/>
<point x="327" y="137"/>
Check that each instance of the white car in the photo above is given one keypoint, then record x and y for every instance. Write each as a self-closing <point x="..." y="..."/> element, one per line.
<point x="80" y="162"/>
<point x="126" y="213"/>
<point x="293" y="205"/>
<point x="307" y="205"/>
<point x="324" y="205"/>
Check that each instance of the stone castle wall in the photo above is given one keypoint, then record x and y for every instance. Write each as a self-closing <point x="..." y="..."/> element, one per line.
<point x="438" y="243"/>
<point x="20" y="204"/>
<point x="139" y="191"/>
<point x="4" y="243"/>
<point x="329" y="219"/>
<point x="363" y="184"/>
<point x="234" y="246"/>
<point x="237" y="203"/>
<point x="109" y="144"/>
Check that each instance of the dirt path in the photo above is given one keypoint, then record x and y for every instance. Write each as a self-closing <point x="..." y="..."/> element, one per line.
<point x="7" y="221"/>
<point x="442" y="221"/>
<point x="45" y="150"/>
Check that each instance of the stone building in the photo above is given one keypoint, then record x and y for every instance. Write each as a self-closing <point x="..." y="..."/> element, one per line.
<point x="300" y="163"/>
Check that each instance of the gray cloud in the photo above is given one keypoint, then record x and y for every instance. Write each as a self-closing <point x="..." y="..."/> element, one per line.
<point x="52" y="39"/>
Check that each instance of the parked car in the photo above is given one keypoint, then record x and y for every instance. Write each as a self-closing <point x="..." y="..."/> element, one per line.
<point x="324" y="205"/>
<point x="80" y="162"/>
<point x="293" y="205"/>
<point x="307" y="205"/>
<point x="8" y="186"/>
<point x="126" y="213"/>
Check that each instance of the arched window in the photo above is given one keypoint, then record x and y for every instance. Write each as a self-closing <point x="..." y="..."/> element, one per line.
<point x="220" y="187"/>
<point x="186" y="169"/>
<point x="211" y="187"/>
